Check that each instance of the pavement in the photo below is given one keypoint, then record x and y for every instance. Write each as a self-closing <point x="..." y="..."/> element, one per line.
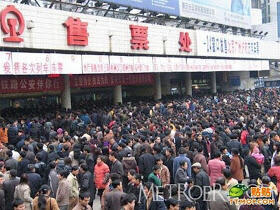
<point x="96" y="204"/>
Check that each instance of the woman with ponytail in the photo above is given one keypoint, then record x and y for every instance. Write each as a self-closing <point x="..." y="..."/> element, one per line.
<point x="43" y="201"/>
<point x="237" y="166"/>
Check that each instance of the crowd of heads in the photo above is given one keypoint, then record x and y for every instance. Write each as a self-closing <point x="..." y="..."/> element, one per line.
<point x="81" y="140"/>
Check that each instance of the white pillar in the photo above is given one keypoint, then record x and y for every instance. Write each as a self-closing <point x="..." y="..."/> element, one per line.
<point x="118" y="94"/>
<point x="213" y="83"/>
<point x="157" y="95"/>
<point x="66" y="93"/>
<point x="188" y="83"/>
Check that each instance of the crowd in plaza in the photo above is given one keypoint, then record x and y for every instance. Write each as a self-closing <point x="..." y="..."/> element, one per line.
<point x="181" y="149"/>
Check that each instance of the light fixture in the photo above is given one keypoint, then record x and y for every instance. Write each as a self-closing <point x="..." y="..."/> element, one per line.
<point x="98" y="4"/>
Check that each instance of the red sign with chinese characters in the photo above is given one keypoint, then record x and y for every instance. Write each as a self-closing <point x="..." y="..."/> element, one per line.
<point x="76" y="32"/>
<point x="107" y="80"/>
<point x="139" y="37"/>
<point x="9" y="25"/>
<point x="30" y="84"/>
<point x="185" y="42"/>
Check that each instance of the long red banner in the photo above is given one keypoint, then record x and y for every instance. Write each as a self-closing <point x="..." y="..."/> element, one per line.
<point x="107" y="80"/>
<point x="44" y="84"/>
<point x="30" y="84"/>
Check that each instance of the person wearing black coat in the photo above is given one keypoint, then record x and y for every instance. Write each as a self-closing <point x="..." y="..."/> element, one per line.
<point x="116" y="166"/>
<point x="34" y="180"/>
<point x="42" y="153"/>
<point x="9" y="189"/>
<point x="267" y="154"/>
<point x="12" y="134"/>
<point x="22" y="165"/>
<point x="157" y="204"/>
<point x="169" y="162"/>
<point x="52" y="156"/>
<point x="2" y="199"/>
<point x="146" y="163"/>
<point x="234" y="143"/>
<point x="254" y="167"/>
<point x="201" y="179"/>
<point x="86" y="182"/>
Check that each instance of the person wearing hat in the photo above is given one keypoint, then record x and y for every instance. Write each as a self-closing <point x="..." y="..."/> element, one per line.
<point x="44" y="201"/>
<point x="201" y="179"/>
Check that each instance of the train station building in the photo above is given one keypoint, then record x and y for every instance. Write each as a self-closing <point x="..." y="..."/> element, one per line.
<point x="66" y="56"/>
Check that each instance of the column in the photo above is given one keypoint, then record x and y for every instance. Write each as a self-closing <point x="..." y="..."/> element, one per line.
<point x="188" y="83"/>
<point x="66" y="93"/>
<point x="213" y="83"/>
<point x="157" y="95"/>
<point x="166" y="86"/>
<point x="118" y="94"/>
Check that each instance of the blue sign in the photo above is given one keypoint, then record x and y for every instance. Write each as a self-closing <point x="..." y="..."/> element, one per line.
<point x="234" y="81"/>
<point x="170" y="7"/>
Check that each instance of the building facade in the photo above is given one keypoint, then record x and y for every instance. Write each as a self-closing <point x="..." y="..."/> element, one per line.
<point x="67" y="55"/>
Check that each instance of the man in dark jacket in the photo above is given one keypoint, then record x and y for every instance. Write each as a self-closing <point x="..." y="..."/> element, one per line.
<point x="146" y="163"/>
<point x="116" y="166"/>
<point x="11" y="162"/>
<point x="147" y="194"/>
<point x="267" y="153"/>
<point x="43" y="153"/>
<point x="112" y="200"/>
<point x="34" y="180"/>
<point x="254" y="167"/>
<point x="89" y="158"/>
<point x="201" y="179"/>
<point x="22" y="165"/>
<point x="181" y="175"/>
<point x="234" y="143"/>
<point x="86" y="182"/>
<point x="9" y="189"/>
<point x="12" y="133"/>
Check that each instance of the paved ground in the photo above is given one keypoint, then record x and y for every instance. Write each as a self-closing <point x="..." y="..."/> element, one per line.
<point x="96" y="204"/>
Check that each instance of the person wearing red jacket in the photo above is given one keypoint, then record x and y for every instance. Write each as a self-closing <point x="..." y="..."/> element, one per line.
<point x="243" y="137"/>
<point x="101" y="171"/>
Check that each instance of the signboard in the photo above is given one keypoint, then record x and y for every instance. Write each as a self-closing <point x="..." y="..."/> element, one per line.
<point x="95" y="64"/>
<point x="226" y="45"/>
<point x="45" y="64"/>
<point x="30" y="84"/>
<point x="6" y="63"/>
<point x="170" y="7"/>
<point x="31" y="63"/>
<point x="227" y="12"/>
<point x="65" y="64"/>
<point x="210" y="65"/>
<point x="121" y="64"/>
<point x="107" y="80"/>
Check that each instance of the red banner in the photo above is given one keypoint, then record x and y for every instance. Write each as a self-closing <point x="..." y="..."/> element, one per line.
<point x="107" y="80"/>
<point x="30" y="84"/>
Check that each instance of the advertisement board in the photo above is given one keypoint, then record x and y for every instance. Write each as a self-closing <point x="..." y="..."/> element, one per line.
<point x="54" y="63"/>
<point x="227" y="45"/>
<point x="170" y="7"/>
<point x="227" y="12"/>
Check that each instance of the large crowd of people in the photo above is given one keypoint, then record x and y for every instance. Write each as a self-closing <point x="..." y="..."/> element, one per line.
<point x="179" y="149"/>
